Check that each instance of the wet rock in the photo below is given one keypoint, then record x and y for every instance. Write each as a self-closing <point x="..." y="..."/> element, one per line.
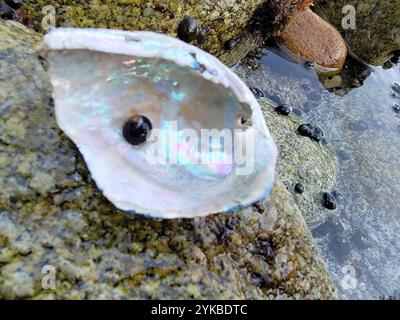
<point x="311" y="38"/>
<point x="359" y="240"/>
<point x="99" y="252"/>
<point x="378" y="21"/>
<point x="370" y="205"/>
<point x="355" y="83"/>
<point x="148" y="12"/>
<point x="359" y="126"/>
<point x="257" y="53"/>
<point x="265" y="248"/>
<point x="211" y="23"/>
<point x="253" y="58"/>
<point x="248" y="22"/>
<point x="270" y="18"/>
<point x="297" y="112"/>
<point x="314" y="96"/>
<point x="331" y="227"/>
<point x="332" y="82"/>
<point x="302" y="161"/>
<point x="353" y="75"/>
<point x="253" y="64"/>
<point x="12" y="10"/>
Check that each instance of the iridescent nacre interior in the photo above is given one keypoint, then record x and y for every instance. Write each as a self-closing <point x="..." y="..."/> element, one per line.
<point x="96" y="93"/>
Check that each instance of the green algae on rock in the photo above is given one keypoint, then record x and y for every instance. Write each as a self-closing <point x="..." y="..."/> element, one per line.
<point x="247" y="22"/>
<point x="262" y="252"/>
<point x="218" y="21"/>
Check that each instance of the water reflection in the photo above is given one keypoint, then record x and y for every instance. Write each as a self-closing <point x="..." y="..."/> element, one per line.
<point x="362" y="125"/>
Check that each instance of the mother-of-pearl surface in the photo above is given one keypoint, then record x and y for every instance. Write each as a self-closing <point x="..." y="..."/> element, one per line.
<point x="101" y="78"/>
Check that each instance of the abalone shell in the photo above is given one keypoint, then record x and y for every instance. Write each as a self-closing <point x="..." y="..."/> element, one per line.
<point x="102" y="78"/>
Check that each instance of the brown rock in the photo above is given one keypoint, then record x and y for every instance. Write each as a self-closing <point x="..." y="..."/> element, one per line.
<point x="311" y="38"/>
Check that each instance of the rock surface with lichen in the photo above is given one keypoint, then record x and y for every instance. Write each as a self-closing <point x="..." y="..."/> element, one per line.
<point x="51" y="213"/>
<point x="377" y="26"/>
<point x="217" y="22"/>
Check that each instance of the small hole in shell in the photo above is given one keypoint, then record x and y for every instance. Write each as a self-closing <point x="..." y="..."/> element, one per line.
<point x="245" y="121"/>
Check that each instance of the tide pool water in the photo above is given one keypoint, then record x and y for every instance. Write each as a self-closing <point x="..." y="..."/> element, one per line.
<point x="360" y="240"/>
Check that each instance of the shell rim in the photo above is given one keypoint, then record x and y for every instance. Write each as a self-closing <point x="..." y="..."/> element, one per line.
<point x="101" y="40"/>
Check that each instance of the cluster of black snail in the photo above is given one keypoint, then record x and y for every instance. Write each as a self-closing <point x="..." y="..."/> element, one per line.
<point x="313" y="132"/>
<point x="136" y="130"/>
<point x="308" y="130"/>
